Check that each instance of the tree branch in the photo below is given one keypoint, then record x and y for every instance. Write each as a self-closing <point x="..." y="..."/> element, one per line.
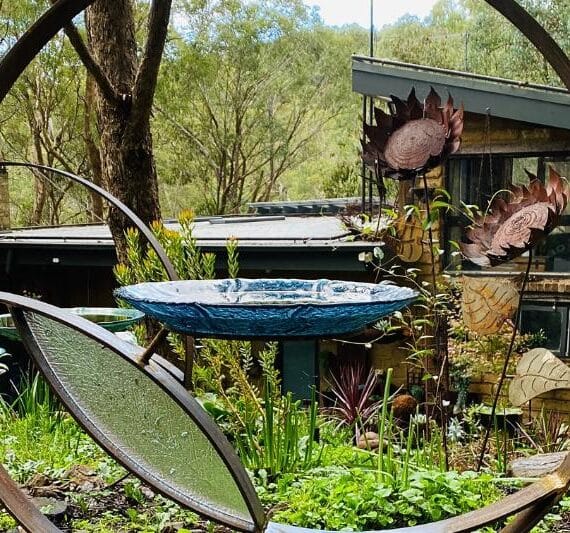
<point x="107" y="90"/>
<point x="145" y="82"/>
<point x="190" y="134"/>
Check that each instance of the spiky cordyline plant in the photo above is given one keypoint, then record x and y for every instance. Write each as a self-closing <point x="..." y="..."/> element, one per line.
<point x="353" y="390"/>
<point x="519" y="223"/>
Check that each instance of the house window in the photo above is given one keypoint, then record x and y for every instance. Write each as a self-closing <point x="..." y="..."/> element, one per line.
<point x="552" y="319"/>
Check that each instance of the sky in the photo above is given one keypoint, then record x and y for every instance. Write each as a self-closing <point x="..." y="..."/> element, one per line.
<point x="339" y="12"/>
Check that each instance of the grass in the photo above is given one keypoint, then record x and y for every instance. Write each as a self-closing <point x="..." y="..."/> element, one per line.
<point x="39" y="437"/>
<point x="43" y="446"/>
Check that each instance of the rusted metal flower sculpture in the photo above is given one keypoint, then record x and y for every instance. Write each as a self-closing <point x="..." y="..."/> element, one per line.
<point x="519" y="223"/>
<point x="414" y="138"/>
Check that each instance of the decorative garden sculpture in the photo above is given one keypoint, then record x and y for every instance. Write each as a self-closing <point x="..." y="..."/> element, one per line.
<point x="414" y="139"/>
<point x="487" y="303"/>
<point x="538" y="371"/>
<point x="519" y="223"/>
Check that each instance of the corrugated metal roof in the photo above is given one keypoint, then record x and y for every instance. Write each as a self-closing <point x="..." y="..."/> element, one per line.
<point x="250" y="231"/>
<point x="525" y="102"/>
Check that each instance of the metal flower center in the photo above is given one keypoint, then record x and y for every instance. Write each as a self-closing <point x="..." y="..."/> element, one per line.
<point x="517" y="230"/>
<point x="411" y="146"/>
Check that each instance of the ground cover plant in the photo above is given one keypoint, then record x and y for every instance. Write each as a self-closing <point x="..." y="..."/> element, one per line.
<point x="336" y="485"/>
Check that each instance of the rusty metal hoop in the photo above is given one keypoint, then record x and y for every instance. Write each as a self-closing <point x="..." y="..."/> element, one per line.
<point x="63" y="11"/>
<point x="140" y="225"/>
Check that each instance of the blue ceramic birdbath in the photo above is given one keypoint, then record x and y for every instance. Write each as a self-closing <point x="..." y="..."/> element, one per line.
<point x="266" y="308"/>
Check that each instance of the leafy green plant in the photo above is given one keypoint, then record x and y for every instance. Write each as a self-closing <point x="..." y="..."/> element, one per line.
<point x="356" y="499"/>
<point x="39" y="437"/>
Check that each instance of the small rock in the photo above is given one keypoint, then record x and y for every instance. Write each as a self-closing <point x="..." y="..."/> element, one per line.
<point x="149" y="494"/>
<point x="368" y="441"/>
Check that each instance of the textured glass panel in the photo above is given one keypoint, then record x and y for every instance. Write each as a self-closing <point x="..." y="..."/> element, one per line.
<point x="139" y="418"/>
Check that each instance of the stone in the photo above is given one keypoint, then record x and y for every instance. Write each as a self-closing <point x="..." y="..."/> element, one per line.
<point x="537" y="465"/>
<point x="368" y="441"/>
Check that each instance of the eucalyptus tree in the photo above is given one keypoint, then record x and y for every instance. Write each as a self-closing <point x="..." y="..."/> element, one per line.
<point x="41" y="120"/>
<point x="469" y="35"/>
<point x="244" y="92"/>
<point x="125" y="79"/>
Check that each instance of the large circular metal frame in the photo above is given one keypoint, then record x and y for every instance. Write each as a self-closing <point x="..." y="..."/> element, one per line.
<point x="537" y="497"/>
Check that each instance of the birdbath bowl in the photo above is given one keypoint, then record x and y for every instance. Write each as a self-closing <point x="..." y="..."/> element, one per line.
<point x="266" y="308"/>
<point x="110" y="318"/>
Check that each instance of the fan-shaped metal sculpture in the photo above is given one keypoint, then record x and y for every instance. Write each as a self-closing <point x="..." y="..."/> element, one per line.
<point x="266" y="308"/>
<point x="409" y="239"/>
<point x="487" y="303"/>
<point x="163" y="436"/>
<point x="538" y="371"/>
<point x="519" y="223"/>
<point x="414" y="139"/>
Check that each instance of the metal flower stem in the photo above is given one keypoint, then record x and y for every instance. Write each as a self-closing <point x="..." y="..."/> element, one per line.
<point x="506" y="363"/>
<point x="438" y="398"/>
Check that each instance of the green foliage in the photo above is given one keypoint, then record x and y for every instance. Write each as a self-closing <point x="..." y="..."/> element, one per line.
<point x="38" y="437"/>
<point x="282" y="440"/>
<point x="355" y="499"/>
<point x="7" y="522"/>
<point x="189" y="261"/>
<point x="248" y="109"/>
<point x="147" y="515"/>
<point x="471" y="36"/>
<point x="42" y="122"/>
<point x="181" y="248"/>
<point x="273" y="434"/>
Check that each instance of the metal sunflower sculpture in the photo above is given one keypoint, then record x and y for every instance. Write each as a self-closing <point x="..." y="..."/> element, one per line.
<point x="413" y="139"/>
<point x="519" y="223"/>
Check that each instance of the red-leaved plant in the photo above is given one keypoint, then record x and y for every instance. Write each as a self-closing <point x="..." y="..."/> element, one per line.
<point x="353" y="391"/>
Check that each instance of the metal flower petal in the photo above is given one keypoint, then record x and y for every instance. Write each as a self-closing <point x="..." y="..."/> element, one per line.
<point x="519" y="224"/>
<point x="414" y="138"/>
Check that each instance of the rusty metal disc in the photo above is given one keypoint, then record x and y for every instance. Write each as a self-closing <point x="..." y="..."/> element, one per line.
<point x="412" y="145"/>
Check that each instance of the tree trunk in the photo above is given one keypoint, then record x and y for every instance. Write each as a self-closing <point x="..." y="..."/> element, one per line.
<point x="96" y="214"/>
<point x="127" y="160"/>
